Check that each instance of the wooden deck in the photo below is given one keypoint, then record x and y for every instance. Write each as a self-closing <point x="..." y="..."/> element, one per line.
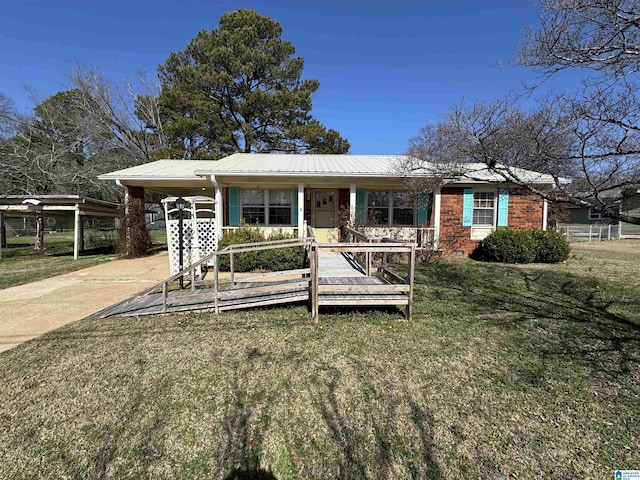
<point x="334" y="278"/>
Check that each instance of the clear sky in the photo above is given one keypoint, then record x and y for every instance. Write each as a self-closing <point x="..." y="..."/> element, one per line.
<point x="386" y="67"/>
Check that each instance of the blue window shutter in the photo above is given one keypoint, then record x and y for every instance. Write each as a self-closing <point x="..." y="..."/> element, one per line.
<point x="423" y="208"/>
<point x="503" y="207"/>
<point x="294" y="217"/>
<point x="234" y="206"/>
<point x="361" y="208"/>
<point x="467" y="207"/>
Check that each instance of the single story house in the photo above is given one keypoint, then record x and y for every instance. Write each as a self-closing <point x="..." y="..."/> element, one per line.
<point x="291" y="192"/>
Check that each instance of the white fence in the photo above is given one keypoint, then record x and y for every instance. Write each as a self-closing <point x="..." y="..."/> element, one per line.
<point x="579" y="232"/>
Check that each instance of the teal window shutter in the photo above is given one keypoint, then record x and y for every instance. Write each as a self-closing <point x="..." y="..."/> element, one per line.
<point x="423" y="208"/>
<point x="361" y="207"/>
<point x="294" y="217"/>
<point x="234" y="206"/>
<point x="467" y="207"/>
<point x="503" y="207"/>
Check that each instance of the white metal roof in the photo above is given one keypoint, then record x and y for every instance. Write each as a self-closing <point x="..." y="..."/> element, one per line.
<point x="312" y="165"/>
<point x="282" y="165"/>
<point x="161" y="169"/>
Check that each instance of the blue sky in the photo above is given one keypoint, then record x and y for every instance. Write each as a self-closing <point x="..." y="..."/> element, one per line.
<point x="386" y="68"/>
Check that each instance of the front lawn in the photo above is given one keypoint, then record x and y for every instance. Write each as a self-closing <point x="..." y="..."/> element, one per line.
<point x="506" y="372"/>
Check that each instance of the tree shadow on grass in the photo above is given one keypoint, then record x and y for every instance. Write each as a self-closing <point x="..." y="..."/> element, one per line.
<point x="246" y="420"/>
<point x="372" y="447"/>
<point x="584" y="320"/>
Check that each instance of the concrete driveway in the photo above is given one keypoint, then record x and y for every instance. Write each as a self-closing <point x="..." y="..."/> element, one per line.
<point x="29" y="310"/>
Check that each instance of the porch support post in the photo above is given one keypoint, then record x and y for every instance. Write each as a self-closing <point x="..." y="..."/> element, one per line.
<point x="77" y="232"/>
<point x="301" y="232"/>
<point x="436" y="217"/>
<point x="352" y="204"/>
<point x="545" y="213"/>
<point x="218" y="207"/>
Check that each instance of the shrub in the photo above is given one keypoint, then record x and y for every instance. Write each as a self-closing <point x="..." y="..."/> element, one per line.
<point x="508" y="246"/>
<point x="273" y="260"/>
<point x="551" y="246"/>
<point x="523" y="246"/>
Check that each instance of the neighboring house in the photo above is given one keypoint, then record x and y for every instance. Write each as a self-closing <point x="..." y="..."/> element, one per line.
<point x="289" y="192"/>
<point x="154" y="216"/>
<point x="625" y="201"/>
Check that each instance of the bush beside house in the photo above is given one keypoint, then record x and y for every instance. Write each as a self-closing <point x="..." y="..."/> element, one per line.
<point x="270" y="260"/>
<point x="523" y="246"/>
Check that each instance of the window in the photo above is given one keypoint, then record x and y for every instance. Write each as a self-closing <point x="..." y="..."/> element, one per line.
<point x="378" y="208"/>
<point x="484" y="205"/>
<point x="279" y="207"/>
<point x="403" y="206"/>
<point x="593" y="215"/>
<point x="274" y="211"/>
<point x="253" y="206"/>
<point x="391" y="208"/>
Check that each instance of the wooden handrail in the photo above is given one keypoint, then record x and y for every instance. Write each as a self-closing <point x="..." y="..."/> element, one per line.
<point x="357" y="234"/>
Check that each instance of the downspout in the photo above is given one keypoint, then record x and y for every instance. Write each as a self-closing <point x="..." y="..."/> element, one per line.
<point x="127" y="229"/>
<point x="545" y="213"/>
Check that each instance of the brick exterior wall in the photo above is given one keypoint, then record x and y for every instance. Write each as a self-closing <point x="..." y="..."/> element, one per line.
<point x="525" y="211"/>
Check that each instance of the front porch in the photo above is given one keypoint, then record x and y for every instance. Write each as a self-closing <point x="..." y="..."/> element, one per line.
<point x="377" y="210"/>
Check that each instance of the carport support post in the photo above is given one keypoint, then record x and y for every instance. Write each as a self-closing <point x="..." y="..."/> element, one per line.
<point x="77" y="233"/>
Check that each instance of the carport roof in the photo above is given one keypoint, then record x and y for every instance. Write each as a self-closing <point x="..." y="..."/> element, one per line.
<point x="60" y="204"/>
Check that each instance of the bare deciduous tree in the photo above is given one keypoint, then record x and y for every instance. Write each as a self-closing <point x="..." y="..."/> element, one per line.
<point x="591" y="136"/>
<point x="131" y="117"/>
<point x="601" y="35"/>
<point x="556" y="139"/>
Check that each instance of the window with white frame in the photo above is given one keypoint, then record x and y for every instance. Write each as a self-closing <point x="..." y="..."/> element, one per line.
<point x="593" y="215"/>
<point x="403" y="208"/>
<point x="279" y="207"/>
<point x="267" y="207"/>
<point x="484" y="208"/>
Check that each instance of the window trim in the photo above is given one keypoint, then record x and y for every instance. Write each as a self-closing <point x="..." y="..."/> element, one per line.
<point x="267" y="205"/>
<point x="495" y="207"/>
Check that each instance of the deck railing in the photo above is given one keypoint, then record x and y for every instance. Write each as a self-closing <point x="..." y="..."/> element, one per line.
<point x="393" y="289"/>
<point x="235" y="290"/>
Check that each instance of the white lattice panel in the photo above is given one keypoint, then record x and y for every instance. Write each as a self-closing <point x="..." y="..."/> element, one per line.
<point x="207" y="239"/>
<point x="196" y="243"/>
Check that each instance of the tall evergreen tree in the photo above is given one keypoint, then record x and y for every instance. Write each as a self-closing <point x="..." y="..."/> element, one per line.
<point x="238" y="88"/>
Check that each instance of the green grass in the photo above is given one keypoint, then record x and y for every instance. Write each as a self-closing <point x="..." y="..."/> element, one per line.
<point x="22" y="264"/>
<point x="506" y="372"/>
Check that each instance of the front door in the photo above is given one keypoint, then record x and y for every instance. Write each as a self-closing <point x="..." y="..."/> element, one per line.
<point x="324" y="205"/>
